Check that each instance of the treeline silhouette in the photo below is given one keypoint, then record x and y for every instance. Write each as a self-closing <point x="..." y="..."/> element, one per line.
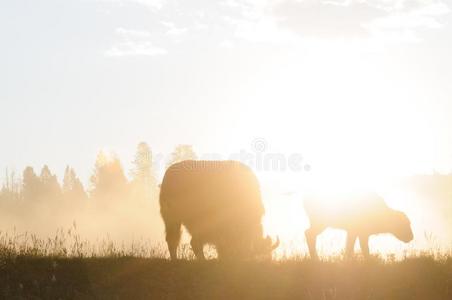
<point x="110" y="202"/>
<point x="436" y="189"/>
<point x="108" y="182"/>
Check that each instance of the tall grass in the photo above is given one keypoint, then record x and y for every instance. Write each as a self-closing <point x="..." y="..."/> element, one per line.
<point x="67" y="266"/>
<point x="68" y="243"/>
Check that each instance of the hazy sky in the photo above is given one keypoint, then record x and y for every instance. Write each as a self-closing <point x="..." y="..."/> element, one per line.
<point x="356" y="85"/>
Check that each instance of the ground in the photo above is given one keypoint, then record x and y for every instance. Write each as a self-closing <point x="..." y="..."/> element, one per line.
<point x="147" y="278"/>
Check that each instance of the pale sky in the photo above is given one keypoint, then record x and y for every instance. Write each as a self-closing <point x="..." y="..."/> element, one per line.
<point x="351" y="85"/>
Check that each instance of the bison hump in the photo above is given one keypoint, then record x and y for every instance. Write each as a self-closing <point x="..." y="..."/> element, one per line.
<point x="211" y="185"/>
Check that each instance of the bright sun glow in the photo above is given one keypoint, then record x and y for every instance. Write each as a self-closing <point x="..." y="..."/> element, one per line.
<point x="355" y="137"/>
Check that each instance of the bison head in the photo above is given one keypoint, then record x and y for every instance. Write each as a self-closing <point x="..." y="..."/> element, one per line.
<point x="249" y="249"/>
<point x="401" y="226"/>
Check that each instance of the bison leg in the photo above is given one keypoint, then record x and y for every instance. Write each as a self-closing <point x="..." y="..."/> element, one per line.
<point x="364" y="244"/>
<point x="197" y="247"/>
<point x="311" y="238"/>
<point x="173" y="233"/>
<point x="351" y="239"/>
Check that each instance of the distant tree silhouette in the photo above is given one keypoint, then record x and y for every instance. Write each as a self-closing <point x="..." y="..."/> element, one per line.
<point x="49" y="188"/>
<point x="143" y="178"/>
<point x="180" y="153"/>
<point x="108" y="181"/>
<point x="72" y="186"/>
<point x="11" y="188"/>
<point x="31" y="185"/>
<point x="436" y="188"/>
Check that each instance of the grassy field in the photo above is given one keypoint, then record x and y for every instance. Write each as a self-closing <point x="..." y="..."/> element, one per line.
<point x="25" y="277"/>
<point x="66" y="267"/>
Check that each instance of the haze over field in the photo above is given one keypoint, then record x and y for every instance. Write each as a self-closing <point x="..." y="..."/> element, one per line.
<point x="312" y="95"/>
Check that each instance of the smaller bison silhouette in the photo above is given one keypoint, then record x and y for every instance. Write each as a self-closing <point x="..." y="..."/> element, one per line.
<point x="360" y="215"/>
<point x="219" y="203"/>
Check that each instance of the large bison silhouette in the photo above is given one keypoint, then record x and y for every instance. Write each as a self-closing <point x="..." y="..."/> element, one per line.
<point x="219" y="203"/>
<point x="360" y="215"/>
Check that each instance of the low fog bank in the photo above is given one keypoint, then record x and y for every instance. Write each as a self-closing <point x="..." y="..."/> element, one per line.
<point x="117" y="205"/>
<point x="134" y="220"/>
<point x="122" y="222"/>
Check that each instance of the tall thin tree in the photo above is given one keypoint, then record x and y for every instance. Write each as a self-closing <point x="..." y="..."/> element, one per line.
<point x="180" y="153"/>
<point x="143" y="177"/>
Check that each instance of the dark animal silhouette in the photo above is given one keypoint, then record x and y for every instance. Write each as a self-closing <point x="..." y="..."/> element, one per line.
<point x="360" y="215"/>
<point x="219" y="203"/>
